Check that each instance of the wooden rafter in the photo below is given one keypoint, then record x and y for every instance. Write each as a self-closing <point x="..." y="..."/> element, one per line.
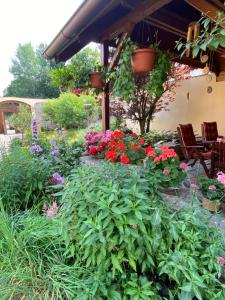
<point x="205" y="7"/>
<point x="145" y="9"/>
<point x="120" y="47"/>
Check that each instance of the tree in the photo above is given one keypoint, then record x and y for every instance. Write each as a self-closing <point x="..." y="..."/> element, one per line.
<point x="76" y="73"/>
<point x="21" y="120"/>
<point x="31" y="73"/>
<point x="147" y="95"/>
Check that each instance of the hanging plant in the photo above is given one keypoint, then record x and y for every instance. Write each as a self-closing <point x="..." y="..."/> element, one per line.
<point x="142" y="61"/>
<point x="98" y="77"/>
<point x="212" y="36"/>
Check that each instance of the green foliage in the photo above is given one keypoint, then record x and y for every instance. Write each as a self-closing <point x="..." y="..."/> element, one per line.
<point x="211" y="37"/>
<point x="212" y="189"/>
<point x="21" y="121"/>
<point x="33" y="264"/>
<point x="120" y="228"/>
<point x="152" y="137"/>
<point x="31" y="73"/>
<point x="122" y="78"/>
<point x="76" y="73"/>
<point x="71" y="111"/>
<point x="22" y="179"/>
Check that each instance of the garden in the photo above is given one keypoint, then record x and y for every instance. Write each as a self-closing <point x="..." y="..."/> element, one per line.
<point x="103" y="231"/>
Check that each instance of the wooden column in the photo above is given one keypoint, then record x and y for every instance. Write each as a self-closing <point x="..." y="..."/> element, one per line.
<point x="2" y="123"/>
<point x="105" y="100"/>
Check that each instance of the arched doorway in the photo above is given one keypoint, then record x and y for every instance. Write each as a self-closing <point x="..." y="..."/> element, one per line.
<point x="7" y="108"/>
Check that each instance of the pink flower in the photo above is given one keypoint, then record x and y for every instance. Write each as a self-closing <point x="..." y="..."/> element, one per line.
<point x="166" y="172"/>
<point x="52" y="211"/>
<point x="220" y="260"/>
<point x="212" y="187"/>
<point x="134" y="226"/>
<point x="183" y="165"/>
<point x="221" y="177"/>
<point x="194" y="186"/>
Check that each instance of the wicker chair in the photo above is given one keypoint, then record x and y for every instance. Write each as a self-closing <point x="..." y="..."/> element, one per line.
<point x="218" y="158"/>
<point x="209" y="132"/>
<point x="191" y="149"/>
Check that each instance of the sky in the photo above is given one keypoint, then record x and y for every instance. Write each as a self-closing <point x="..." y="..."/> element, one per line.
<point x="24" y="21"/>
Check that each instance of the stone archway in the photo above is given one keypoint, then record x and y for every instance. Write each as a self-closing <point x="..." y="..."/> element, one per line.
<point x="8" y="106"/>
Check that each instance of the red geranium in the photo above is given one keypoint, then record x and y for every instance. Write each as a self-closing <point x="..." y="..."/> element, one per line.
<point x="111" y="155"/>
<point x="141" y="141"/>
<point x="93" y="150"/>
<point x="124" y="159"/>
<point x="133" y="134"/>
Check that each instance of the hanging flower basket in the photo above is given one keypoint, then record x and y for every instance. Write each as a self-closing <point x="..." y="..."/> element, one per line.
<point x="143" y="60"/>
<point x="96" y="80"/>
<point x="212" y="206"/>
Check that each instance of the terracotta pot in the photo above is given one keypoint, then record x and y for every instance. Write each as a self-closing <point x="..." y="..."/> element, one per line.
<point x="143" y="60"/>
<point x="211" y="205"/>
<point x="96" y="81"/>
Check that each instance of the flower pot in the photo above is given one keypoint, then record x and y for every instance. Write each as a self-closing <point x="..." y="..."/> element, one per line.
<point x="143" y="60"/>
<point x="210" y="205"/>
<point x="96" y="81"/>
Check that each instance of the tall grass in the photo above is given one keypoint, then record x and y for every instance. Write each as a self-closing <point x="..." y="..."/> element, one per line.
<point x="32" y="259"/>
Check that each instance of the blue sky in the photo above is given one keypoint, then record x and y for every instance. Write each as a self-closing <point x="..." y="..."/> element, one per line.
<point x="35" y="21"/>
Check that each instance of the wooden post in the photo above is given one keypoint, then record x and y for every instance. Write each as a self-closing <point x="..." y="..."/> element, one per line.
<point x="105" y="100"/>
<point x="2" y="123"/>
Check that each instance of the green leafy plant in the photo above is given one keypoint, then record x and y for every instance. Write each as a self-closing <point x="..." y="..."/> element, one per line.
<point x="212" y="189"/>
<point x="22" y="179"/>
<point x="22" y="119"/>
<point x="211" y="37"/>
<point x="71" y="111"/>
<point x="120" y="227"/>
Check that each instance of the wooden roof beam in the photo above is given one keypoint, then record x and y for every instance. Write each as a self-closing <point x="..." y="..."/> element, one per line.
<point x="139" y="13"/>
<point x="205" y="7"/>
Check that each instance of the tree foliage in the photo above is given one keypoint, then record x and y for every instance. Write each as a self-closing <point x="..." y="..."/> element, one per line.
<point x="31" y="72"/>
<point x="76" y="73"/>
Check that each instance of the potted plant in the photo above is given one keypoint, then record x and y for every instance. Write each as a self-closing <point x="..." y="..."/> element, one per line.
<point x="97" y="80"/>
<point x="213" y="193"/>
<point x="142" y="60"/>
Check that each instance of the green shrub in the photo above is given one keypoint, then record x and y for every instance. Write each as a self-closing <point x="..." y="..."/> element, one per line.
<point x="22" y="179"/>
<point x="21" y="121"/>
<point x="120" y="227"/>
<point x="71" y="111"/>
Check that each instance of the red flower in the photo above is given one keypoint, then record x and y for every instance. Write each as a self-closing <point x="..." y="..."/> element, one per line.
<point x="164" y="148"/>
<point x="149" y="148"/>
<point x="124" y="159"/>
<point x="103" y="144"/>
<point x="133" y="134"/>
<point x="112" y="143"/>
<point x="118" y="134"/>
<point x="157" y="159"/>
<point x="121" y="146"/>
<point x="93" y="150"/>
<point x="111" y="155"/>
<point x="141" y="141"/>
<point x="136" y="148"/>
<point x="99" y="149"/>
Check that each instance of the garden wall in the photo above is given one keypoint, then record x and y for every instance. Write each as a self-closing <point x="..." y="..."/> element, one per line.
<point x="194" y="105"/>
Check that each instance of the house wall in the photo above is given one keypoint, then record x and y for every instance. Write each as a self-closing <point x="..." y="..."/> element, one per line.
<point x="198" y="107"/>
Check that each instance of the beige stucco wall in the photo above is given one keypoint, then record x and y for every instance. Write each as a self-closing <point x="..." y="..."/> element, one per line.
<point x="201" y="106"/>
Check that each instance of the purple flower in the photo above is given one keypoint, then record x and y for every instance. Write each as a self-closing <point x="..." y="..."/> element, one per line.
<point x="55" y="150"/>
<point x="42" y="158"/>
<point x="212" y="187"/>
<point x="35" y="149"/>
<point x="52" y="141"/>
<point x="58" y="178"/>
<point x="34" y="130"/>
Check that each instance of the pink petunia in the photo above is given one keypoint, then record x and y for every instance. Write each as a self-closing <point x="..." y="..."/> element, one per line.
<point x="166" y="172"/>
<point x="220" y="260"/>
<point x="183" y="165"/>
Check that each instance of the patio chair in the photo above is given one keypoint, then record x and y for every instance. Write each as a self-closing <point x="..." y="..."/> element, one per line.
<point x="191" y="149"/>
<point x="218" y="158"/>
<point x="209" y="132"/>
